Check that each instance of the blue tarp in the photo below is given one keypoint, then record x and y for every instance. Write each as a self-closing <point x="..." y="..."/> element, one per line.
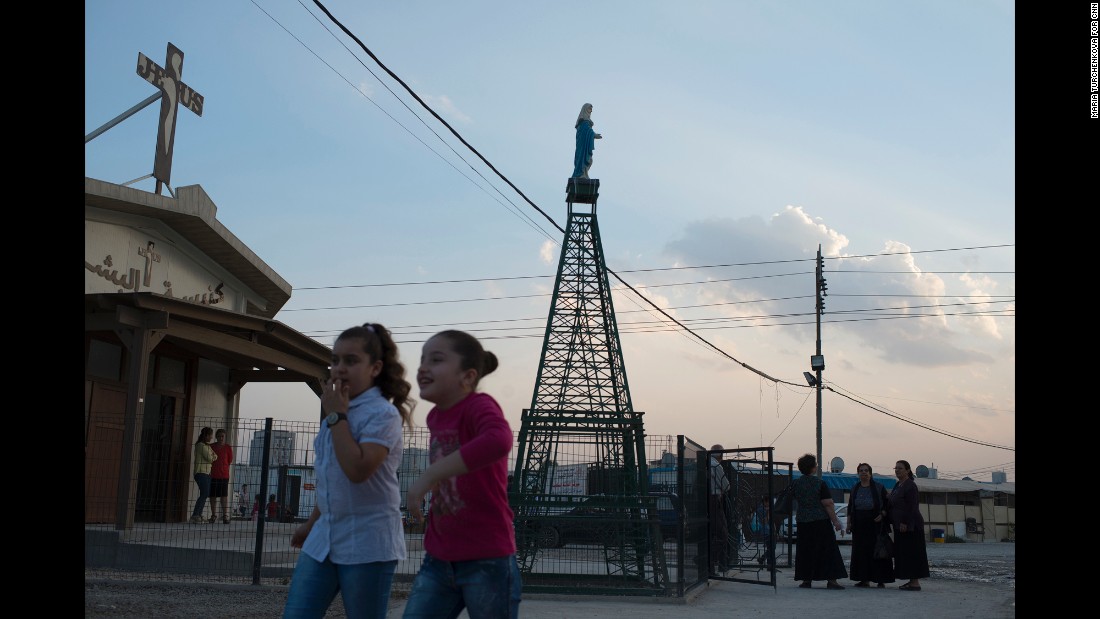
<point x="845" y="481"/>
<point x="666" y="475"/>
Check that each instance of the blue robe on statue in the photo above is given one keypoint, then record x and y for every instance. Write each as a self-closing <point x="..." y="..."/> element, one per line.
<point x="586" y="143"/>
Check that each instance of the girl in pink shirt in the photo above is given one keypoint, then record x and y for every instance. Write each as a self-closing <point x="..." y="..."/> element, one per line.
<point x="469" y="540"/>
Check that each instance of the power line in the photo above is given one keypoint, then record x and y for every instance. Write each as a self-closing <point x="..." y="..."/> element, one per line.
<point x="889" y="413"/>
<point x="980" y="408"/>
<point x="624" y="283"/>
<point x="886" y="312"/>
<point x="923" y="251"/>
<point x="1005" y="467"/>
<point x="487" y="163"/>
<point x="927" y="272"/>
<point x="441" y="281"/>
<point x="538" y="331"/>
<point x="903" y="308"/>
<point x="437" y="116"/>
<point x="468" y="145"/>
<point x="695" y="267"/>
<point x="515" y="210"/>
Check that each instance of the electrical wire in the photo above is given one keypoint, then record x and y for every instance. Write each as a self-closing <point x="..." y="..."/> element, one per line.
<point x="513" y="208"/>
<point x="889" y="413"/>
<point x="609" y="271"/>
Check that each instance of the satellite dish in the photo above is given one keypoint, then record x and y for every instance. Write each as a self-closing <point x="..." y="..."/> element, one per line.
<point x="836" y="465"/>
<point x="922" y="471"/>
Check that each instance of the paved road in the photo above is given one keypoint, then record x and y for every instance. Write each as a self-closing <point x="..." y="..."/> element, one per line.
<point x="968" y="581"/>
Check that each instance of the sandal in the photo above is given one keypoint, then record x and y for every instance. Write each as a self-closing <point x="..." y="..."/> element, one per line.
<point x="834" y="585"/>
<point x="909" y="587"/>
<point x="805" y="585"/>
<point x="881" y="585"/>
<point x="863" y="583"/>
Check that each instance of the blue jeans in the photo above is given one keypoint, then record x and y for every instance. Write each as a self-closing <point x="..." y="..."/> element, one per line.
<point x="203" y="480"/>
<point x="365" y="588"/>
<point x="486" y="588"/>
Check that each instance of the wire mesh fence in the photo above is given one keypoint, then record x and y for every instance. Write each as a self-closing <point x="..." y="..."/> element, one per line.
<point x="594" y="538"/>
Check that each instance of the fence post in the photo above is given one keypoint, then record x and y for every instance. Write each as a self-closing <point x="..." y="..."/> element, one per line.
<point x="258" y="557"/>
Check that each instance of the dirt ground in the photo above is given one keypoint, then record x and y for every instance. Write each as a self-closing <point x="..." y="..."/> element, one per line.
<point x="121" y="596"/>
<point x="967" y="580"/>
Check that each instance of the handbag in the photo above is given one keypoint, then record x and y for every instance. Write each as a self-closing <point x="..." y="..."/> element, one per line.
<point x="784" y="505"/>
<point x="884" y="546"/>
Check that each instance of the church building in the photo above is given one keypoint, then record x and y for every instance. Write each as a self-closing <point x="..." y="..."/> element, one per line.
<point x="178" y="317"/>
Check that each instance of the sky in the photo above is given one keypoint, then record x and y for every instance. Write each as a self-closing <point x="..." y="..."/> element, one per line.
<point x="738" y="138"/>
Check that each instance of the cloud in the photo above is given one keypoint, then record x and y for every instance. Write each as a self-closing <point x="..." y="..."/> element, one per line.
<point x="980" y="286"/>
<point x="548" y="253"/>
<point x="872" y="302"/>
<point x="789" y="232"/>
<point x="446" y="107"/>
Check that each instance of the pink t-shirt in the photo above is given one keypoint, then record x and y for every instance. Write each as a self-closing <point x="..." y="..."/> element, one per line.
<point x="480" y="523"/>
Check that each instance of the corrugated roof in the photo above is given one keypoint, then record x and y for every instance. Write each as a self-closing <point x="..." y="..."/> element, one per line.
<point x="845" y="481"/>
<point x="961" y="485"/>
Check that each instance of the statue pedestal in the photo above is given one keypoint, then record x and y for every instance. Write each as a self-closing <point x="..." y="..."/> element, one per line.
<point x="582" y="190"/>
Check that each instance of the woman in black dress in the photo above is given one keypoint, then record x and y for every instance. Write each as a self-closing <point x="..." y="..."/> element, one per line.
<point x="910" y="555"/>
<point x="817" y="556"/>
<point x="866" y="518"/>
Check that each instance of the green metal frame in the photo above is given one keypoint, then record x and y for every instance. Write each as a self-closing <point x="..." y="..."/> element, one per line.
<point x="582" y="391"/>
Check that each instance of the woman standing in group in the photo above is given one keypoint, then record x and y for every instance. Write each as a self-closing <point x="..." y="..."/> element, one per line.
<point x="204" y="458"/>
<point x="866" y="518"/>
<point x="817" y="555"/>
<point x="352" y="541"/>
<point x="469" y="540"/>
<point x="910" y="555"/>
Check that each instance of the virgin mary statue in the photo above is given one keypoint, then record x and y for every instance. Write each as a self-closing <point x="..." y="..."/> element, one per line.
<point x="586" y="142"/>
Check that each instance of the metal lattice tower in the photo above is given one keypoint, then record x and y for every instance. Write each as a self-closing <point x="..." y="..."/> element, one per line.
<point x="581" y="396"/>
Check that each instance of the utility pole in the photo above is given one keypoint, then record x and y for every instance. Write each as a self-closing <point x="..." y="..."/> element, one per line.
<point x="817" y="362"/>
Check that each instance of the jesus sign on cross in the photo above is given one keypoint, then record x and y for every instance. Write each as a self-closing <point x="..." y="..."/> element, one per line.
<point x="174" y="92"/>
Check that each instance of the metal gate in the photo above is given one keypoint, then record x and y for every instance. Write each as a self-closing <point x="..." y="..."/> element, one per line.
<point x="744" y="544"/>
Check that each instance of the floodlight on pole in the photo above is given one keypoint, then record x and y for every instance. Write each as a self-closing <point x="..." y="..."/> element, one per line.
<point x="810" y="380"/>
